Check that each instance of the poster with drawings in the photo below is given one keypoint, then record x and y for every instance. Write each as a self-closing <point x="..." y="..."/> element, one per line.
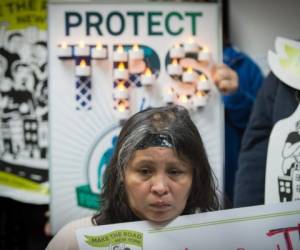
<point x="109" y="61"/>
<point x="23" y="102"/>
<point x="283" y="158"/>
<point x="283" y="161"/>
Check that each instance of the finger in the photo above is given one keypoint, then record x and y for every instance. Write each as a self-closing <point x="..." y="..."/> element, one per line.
<point x="224" y="85"/>
<point x="227" y="86"/>
<point x="222" y="73"/>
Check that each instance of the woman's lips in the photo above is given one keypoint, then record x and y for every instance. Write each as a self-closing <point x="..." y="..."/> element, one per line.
<point x="160" y="205"/>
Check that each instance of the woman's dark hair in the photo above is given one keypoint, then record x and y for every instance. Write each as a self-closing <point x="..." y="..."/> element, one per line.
<point x="175" y="123"/>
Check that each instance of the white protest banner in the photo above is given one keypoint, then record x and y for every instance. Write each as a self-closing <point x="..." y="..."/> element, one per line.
<point x="108" y="61"/>
<point x="275" y="226"/>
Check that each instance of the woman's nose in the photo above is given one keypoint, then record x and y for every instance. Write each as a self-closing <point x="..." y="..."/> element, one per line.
<point x="159" y="185"/>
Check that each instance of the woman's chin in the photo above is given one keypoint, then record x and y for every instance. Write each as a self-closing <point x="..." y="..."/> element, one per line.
<point x="160" y="220"/>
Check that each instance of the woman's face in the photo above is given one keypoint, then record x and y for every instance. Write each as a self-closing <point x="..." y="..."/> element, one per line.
<point x="157" y="183"/>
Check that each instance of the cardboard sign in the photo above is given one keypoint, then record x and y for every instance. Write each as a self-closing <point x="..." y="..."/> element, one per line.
<point x="108" y="61"/>
<point x="261" y="227"/>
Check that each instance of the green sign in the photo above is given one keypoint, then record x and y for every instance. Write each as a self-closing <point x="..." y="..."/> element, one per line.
<point x="128" y="237"/>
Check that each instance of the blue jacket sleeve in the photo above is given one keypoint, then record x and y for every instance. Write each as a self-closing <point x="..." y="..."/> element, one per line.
<point x="239" y="104"/>
<point x="250" y="176"/>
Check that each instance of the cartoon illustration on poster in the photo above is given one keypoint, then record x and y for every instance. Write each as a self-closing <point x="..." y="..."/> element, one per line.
<point x="283" y="161"/>
<point x="23" y="101"/>
<point x="289" y="183"/>
<point x="284" y="169"/>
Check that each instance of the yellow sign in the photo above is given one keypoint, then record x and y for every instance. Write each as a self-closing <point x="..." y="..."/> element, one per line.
<point x="20" y="14"/>
<point x="13" y="181"/>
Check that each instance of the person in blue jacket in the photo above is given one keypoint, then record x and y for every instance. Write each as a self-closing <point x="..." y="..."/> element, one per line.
<point x="238" y="106"/>
<point x="275" y="101"/>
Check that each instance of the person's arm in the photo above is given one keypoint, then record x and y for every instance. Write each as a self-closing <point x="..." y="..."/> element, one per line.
<point x="40" y="74"/>
<point x="250" y="176"/>
<point x="225" y="78"/>
<point x="66" y="239"/>
<point x="238" y="105"/>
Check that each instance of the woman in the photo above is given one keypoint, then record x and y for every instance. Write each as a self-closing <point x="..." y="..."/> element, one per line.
<point x="159" y="171"/>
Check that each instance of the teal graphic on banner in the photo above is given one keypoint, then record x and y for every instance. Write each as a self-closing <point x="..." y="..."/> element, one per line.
<point x="100" y="155"/>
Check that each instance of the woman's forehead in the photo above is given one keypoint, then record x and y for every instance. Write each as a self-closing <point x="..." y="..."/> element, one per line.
<point x="157" y="154"/>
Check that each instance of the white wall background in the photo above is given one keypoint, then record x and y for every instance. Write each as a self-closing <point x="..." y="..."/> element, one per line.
<point x="255" y="24"/>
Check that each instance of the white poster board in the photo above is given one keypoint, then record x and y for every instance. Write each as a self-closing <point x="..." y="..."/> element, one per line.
<point x="283" y="158"/>
<point x="85" y="106"/>
<point x="24" y="101"/>
<point x="283" y="161"/>
<point x="260" y="227"/>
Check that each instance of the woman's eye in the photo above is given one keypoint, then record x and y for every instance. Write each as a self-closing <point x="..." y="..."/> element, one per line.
<point x="175" y="172"/>
<point x="145" y="171"/>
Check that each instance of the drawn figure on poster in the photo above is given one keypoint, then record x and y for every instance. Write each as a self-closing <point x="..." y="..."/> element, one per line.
<point x="10" y="51"/>
<point x="23" y="115"/>
<point x="6" y="83"/>
<point x="39" y="68"/>
<point x="5" y="89"/>
<point x="23" y="97"/>
<point x="289" y="183"/>
<point x="104" y="161"/>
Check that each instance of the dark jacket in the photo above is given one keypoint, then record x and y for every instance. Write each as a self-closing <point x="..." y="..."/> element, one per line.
<point x="275" y="101"/>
